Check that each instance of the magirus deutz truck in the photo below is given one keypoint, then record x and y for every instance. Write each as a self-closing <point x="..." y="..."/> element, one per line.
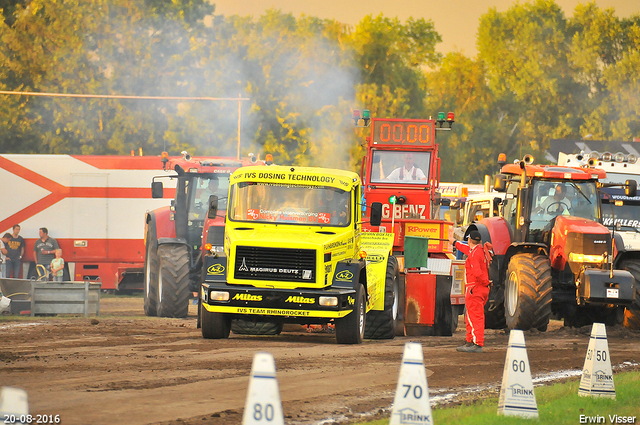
<point x="294" y="252"/>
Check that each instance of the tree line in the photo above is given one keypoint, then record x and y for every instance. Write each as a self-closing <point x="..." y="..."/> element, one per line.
<point x="538" y="75"/>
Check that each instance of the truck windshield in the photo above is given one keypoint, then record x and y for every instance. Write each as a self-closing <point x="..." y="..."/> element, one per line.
<point x="200" y="188"/>
<point x="400" y="166"/>
<point x="626" y="213"/>
<point x="289" y="204"/>
<point x="554" y="198"/>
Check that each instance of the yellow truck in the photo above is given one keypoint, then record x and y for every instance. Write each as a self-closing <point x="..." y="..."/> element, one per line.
<point x="294" y="252"/>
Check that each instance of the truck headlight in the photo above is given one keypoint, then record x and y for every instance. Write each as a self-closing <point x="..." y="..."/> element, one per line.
<point x="214" y="249"/>
<point x="328" y="301"/>
<point x="218" y="296"/>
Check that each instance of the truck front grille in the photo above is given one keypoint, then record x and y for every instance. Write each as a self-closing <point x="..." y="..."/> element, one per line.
<point x="276" y="264"/>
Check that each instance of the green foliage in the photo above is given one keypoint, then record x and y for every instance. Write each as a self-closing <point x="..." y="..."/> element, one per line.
<point x="538" y="75"/>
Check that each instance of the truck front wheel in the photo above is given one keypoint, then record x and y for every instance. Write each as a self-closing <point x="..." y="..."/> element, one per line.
<point x="528" y="292"/>
<point x="381" y="324"/>
<point x="632" y="312"/>
<point x="173" y="280"/>
<point x="350" y="329"/>
<point x="214" y="325"/>
<point x="151" y="278"/>
<point x="247" y="327"/>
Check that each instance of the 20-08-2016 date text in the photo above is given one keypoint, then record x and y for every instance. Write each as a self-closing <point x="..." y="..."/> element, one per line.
<point x="31" y="419"/>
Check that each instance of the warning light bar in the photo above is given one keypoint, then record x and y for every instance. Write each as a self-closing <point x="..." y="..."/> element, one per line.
<point x="365" y="117"/>
<point x="440" y="122"/>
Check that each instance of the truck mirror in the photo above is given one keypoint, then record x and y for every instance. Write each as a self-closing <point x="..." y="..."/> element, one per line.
<point x="631" y="188"/>
<point x="376" y="214"/>
<point x="213" y="206"/>
<point x="156" y="190"/>
<point x="500" y="184"/>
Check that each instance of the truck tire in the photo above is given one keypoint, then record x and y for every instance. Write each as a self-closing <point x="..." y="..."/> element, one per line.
<point x="151" y="278"/>
<point x="632" y="312"/>
<point x="381" y="324"/>
<point x="494" y="308"/>
<point x="247" y="327"/>
<point x="527" y="298"/>
<point x="443" y="315"/>
<point x="456" y="312"/>
<point x="350" y="329"/>
<point x="173" y="280"/>
<point x="214" y="325"/>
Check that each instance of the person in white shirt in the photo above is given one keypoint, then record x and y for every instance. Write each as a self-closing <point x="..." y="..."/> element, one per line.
<point x="407" y="172"/>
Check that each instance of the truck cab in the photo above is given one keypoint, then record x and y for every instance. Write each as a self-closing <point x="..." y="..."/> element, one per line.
<point x="294" y="252"/>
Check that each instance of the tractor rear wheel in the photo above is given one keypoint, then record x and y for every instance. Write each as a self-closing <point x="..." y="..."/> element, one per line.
<point x="151" y="277"/>
<point x="527" y="298"/>
<point x="247" y="327"/>
<point x="173" y="280"/>
<point x="381" y="324"/>
<point x="350" y="329"/>
<point x="214" y="325"/>
<point x="632" y="312"/>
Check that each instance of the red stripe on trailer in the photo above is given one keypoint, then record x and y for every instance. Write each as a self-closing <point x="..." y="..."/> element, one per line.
<point x="121" y="162"/>
<point x="60" y="192"/>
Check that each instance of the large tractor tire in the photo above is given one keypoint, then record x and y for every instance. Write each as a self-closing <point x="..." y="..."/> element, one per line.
<point x="350" y="329"/>
<point x="632" y="312"/>
<point x="214" y="325"/>
<point x="527" y="298"/>
<point x="151" y="277"/>
<point x="173" y="280"/>
<point x="247" y="327"/>
<point x="381" y="324"/>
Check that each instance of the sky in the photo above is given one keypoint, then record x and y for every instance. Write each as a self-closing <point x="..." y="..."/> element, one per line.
<point x="455" y="20"/>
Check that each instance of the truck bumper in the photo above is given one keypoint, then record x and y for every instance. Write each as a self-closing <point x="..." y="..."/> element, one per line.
<point x="597" y="287"/>
<point x="288" y="305"/>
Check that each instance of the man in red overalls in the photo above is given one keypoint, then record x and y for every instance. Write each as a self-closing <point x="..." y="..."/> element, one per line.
<point x="477" y="283"/>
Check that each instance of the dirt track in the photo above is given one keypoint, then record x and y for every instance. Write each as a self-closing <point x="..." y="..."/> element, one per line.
<point x="125" y="368"/>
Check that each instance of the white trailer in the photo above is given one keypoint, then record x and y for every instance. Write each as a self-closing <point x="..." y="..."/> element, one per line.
<point x="94" y="206"/>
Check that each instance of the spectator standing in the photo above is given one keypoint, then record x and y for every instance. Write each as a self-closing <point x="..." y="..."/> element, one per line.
<point x="15" y="252"/>
<point x="57" y="266"/>
<point x="4" y="240"/>
<point x="45" y="248"/>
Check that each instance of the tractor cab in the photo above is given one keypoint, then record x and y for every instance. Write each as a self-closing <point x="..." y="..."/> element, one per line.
<point x="536" y="195"/>
<point x="176" y="235"/>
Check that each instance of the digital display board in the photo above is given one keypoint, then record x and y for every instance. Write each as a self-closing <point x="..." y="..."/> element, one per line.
<point x="394" y="132"/>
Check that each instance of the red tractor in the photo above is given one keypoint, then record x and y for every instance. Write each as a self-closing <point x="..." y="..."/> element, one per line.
<point x="401" y="170"/>
<point x="175" y="235"/>
<point x="553" y="257"/>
